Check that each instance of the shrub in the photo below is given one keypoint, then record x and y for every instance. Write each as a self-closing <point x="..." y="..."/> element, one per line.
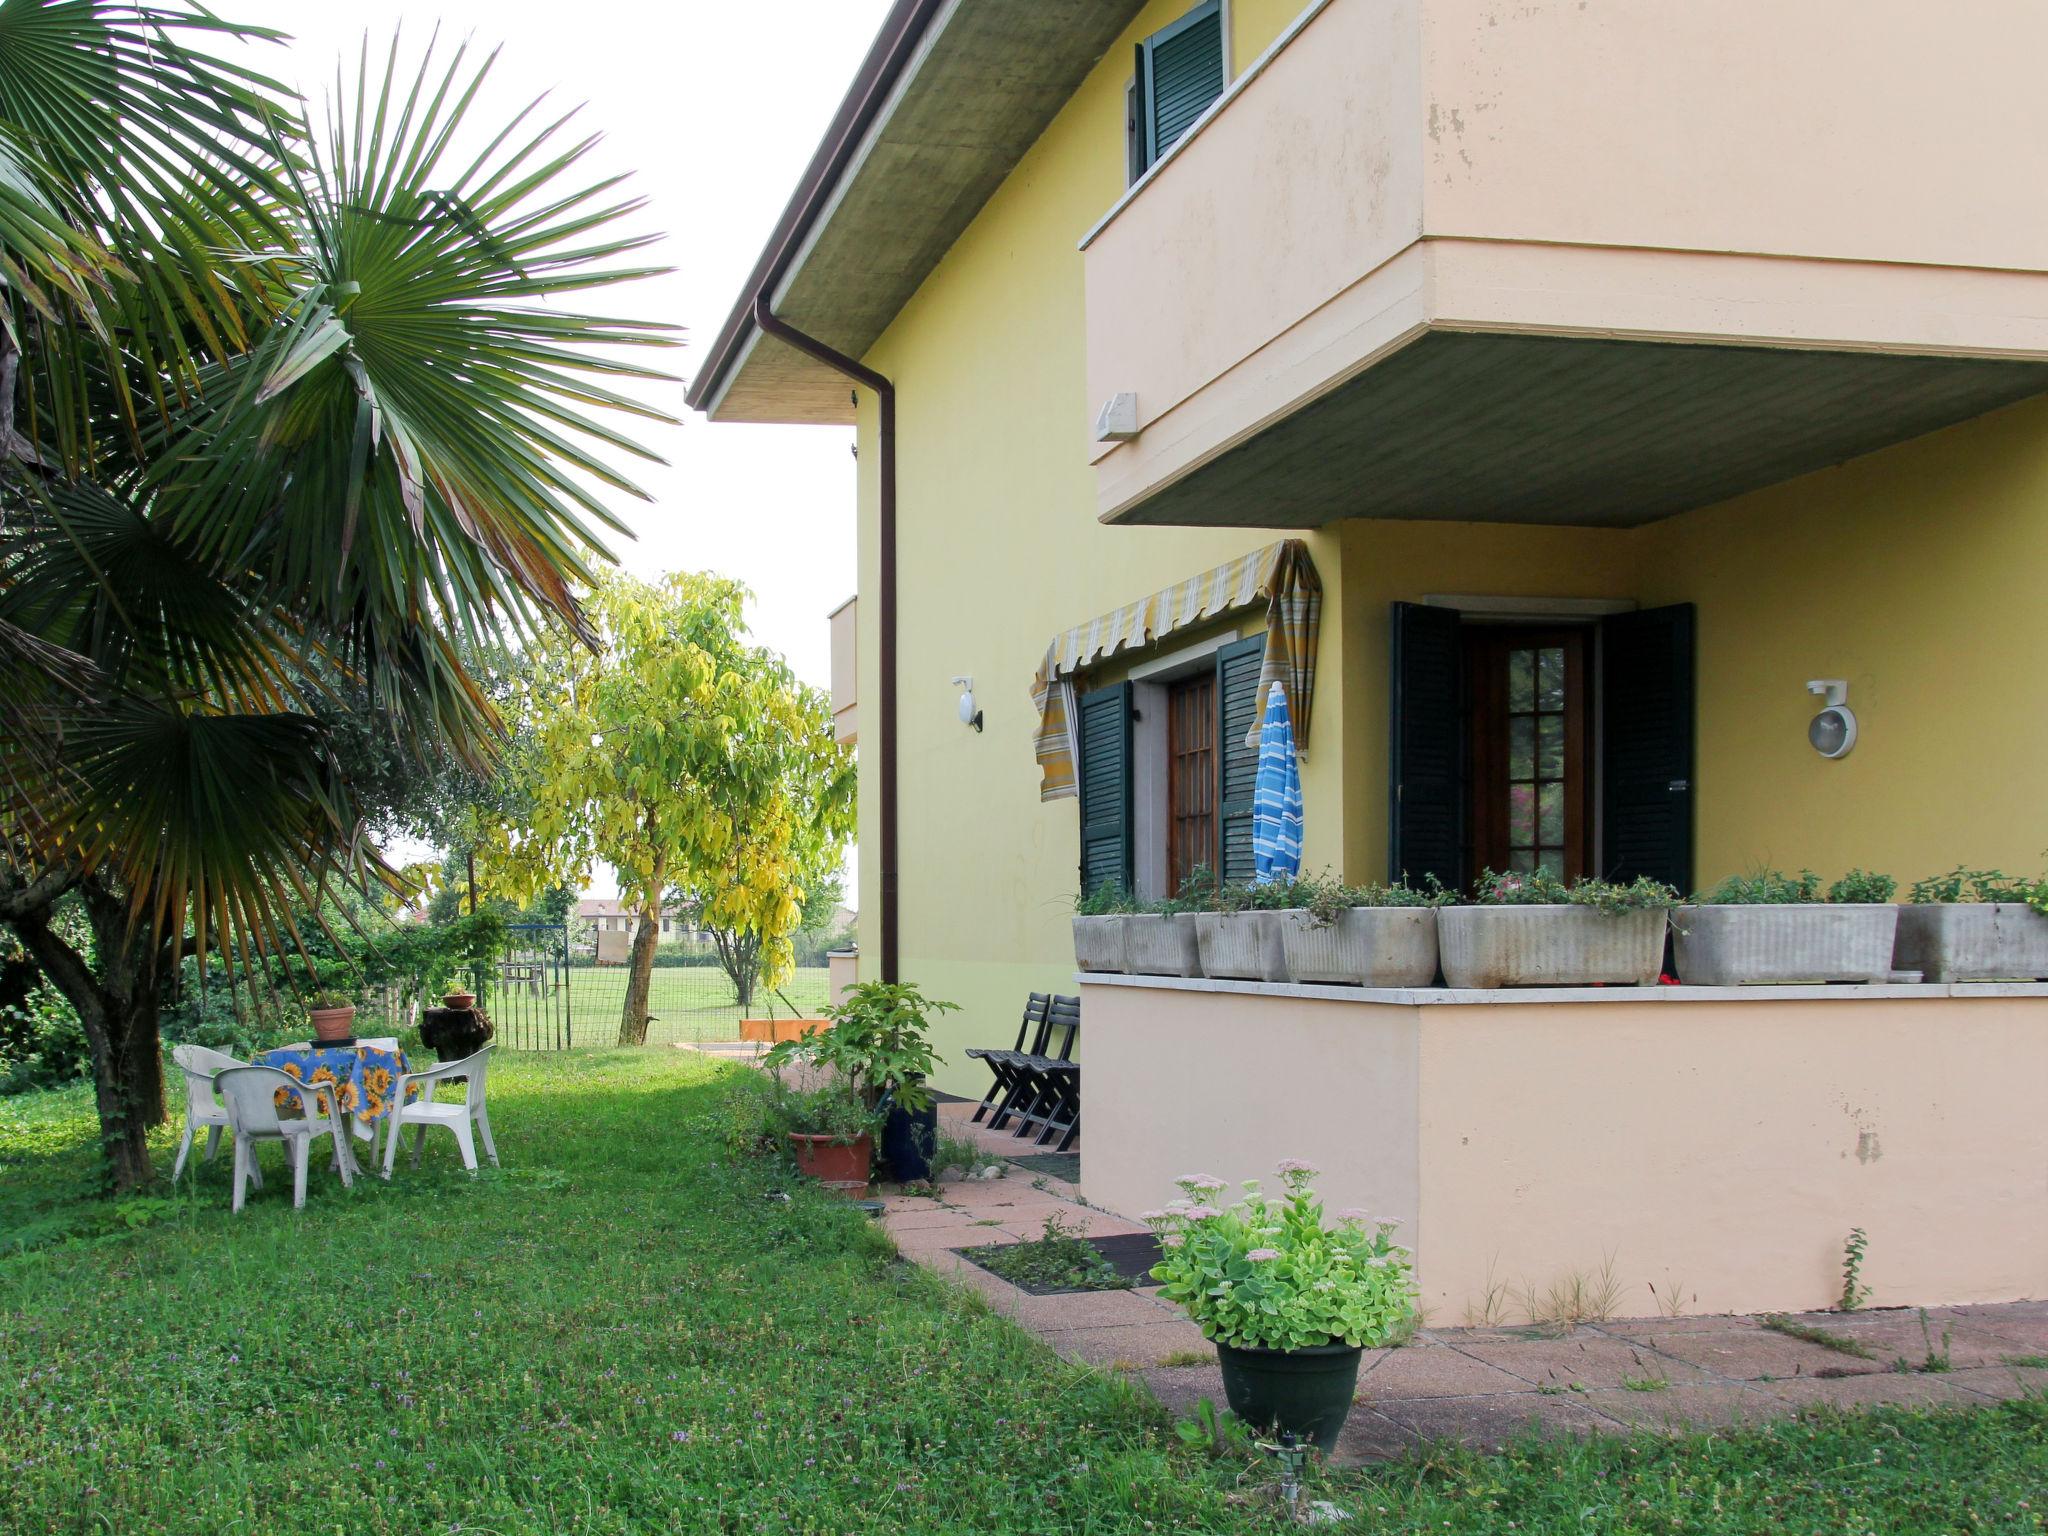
<point x="1270" y="1274"/>
<point x="1108" y="899"/>
<point x="1861" y="886"/>
<point x="1771" y="887"/>
<point x="832" y="1110"/>
<point x="1539" y="889"/>
<point x="1985" y="885"/>
<point x="877" y="1044"/>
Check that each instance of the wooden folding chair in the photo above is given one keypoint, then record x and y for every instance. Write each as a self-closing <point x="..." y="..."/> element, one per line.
<point x="1002" y="1064"/>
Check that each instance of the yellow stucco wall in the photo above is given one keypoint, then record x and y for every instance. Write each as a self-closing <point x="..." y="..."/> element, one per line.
<point x="1916" y="574"/>
<point x="998" y="549"/>
<point x="1911" y="573"/>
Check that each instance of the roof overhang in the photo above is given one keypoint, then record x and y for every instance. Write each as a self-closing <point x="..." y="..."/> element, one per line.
<point x="948" y="100"/>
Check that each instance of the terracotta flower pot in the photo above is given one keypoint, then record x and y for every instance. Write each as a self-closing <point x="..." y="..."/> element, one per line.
<point x="839" y="1165"/>
<point x="333" y="1023"/>
<point x="458" y="999"/>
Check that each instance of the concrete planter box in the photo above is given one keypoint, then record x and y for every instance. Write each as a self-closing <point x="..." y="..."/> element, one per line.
<point x="1364" y="947"/>
<point x="1099" y="942"/>
<point x="1973" y="941"/>
<point x="1240" y="946"/>
<point x="1731" y="946"/>
<point x="1549" y="946"/>
<point x="1162" y="945"/>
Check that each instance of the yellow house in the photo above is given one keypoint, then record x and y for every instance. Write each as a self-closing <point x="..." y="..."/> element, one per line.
<point x="1617" y="377"/>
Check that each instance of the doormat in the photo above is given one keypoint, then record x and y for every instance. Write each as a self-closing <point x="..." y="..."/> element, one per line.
<point x="1131" y="1257"/>
<point x="1058" y="1165"/>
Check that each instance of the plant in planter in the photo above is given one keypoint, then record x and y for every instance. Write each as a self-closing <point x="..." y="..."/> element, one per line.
<point x="1101" y="917"/>
<point x="878" y="1049"/>
<point x="333" y="1016"/>
<point x="1160" y="937"/>
<point x="830" y="1130"/>
<point x="1768" y="927"/>
<point x="1358" y="935"/>
<point x="1975" y="925"/>
<point x="1288" y="1299"/>
<point x="1534" y="930"/>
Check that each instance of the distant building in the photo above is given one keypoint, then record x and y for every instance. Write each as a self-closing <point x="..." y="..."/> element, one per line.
<point x="607" y="914"/>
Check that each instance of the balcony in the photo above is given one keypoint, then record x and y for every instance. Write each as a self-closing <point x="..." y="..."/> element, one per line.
<point x="1591" y="264"/>
<point x="845" y="672"/>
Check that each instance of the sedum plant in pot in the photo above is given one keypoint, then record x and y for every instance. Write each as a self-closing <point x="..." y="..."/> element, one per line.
<point x="1768" y="927"/>
<point x="1358" y="935"/>
<point x="1974" y="925"/>
<point x="878" y="1049"/>
<point x="1534" y="930"/>
<point x="1288" y="1298"/>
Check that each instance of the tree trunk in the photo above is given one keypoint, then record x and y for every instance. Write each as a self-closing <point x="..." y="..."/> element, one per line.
<point x="116" y="1000"/>
<point x="739" y="956"/>
<point x="639" y="973"/>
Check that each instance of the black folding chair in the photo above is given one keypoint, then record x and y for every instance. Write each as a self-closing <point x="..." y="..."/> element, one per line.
<point x="1052" y="1080"/>
<point x="1003" y="1065"/>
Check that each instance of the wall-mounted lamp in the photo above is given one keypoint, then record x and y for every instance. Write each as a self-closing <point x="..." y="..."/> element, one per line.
<point x="969" y="715"/>
<point x="1832" y="731"/>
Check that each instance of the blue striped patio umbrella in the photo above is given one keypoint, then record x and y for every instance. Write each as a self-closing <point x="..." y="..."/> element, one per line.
<point x="1276" y="800"/>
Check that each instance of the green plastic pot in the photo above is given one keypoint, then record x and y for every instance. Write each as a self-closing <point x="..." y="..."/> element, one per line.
<point x="1307" y="1391"/>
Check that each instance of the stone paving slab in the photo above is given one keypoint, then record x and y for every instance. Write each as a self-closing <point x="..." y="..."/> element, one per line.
<point x="1483" y="1387"/>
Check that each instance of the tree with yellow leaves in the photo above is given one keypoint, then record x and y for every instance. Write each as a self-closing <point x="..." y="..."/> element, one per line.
<point x="694" y="763"/>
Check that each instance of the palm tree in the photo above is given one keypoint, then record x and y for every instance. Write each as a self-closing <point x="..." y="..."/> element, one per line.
<point x="280" y="418"/>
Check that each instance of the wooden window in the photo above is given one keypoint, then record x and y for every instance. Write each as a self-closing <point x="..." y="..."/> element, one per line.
<point x="1529" y="730"/>
<point x="1190" y="778"/>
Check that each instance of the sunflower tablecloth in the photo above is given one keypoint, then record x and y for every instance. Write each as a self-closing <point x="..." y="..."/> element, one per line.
<point x="362" y="1077"/>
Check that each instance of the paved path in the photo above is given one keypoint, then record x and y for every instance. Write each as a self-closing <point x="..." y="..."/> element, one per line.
<point x="1482" y="1386"/>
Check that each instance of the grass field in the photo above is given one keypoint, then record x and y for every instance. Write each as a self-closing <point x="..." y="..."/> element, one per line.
<point x="689" y="1003"/>
<point x="622" y="1332"/>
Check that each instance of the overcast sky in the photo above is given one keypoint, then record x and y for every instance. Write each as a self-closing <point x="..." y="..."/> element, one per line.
<point x="715" y="133"/>
<point x="715" y="109"/>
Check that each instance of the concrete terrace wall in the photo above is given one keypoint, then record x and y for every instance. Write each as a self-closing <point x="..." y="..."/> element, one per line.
<point x="1717" y="1147"/>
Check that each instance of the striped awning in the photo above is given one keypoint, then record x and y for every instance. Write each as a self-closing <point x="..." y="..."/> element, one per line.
<point x="1281" y="577"/>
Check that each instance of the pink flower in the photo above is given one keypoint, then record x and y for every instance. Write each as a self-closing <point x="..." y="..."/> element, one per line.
<point x="1353" y="1213"/>
<point x="1199" y="1182"/>
<point x="1203" y="1213"/>
<point x="1261" y="1255"/>
<point x="1172" y="1240"/>
<point x="1150" y="1217"/>
<point x="1291" y="1166"/>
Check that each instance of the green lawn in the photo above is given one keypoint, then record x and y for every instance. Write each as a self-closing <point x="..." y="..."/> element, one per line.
<point x="623" y="1332"/>
<point x="689" y="1003"/>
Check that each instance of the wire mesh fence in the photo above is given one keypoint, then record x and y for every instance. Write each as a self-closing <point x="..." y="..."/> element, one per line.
<point x="688" y="1003"/>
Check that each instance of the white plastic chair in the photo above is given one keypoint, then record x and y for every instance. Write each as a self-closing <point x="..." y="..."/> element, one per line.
<point x="202" y="1110"/>
<point x="253" y="1116"/>
<point x="424" y="1111"/>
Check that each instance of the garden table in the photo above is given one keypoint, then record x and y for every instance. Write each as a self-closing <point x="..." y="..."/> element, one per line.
<point x="361" y="1077"/>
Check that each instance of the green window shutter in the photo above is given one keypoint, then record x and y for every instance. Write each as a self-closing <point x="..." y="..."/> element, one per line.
<point x="1426" y="834"/>
<point x="1237" y="765"/>
<point x="1105" y="776"/>
<point x="1646" y="758"/>
<point x="1179" y="73"/>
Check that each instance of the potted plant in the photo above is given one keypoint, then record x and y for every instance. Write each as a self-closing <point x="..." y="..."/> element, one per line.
<point x="1289" y="1299"/>
<point x="333" y="1016"/>
<point x="1534" y="930"/>
<point x="1160" y="938"/>
<point x="1769" y="927"/>
<point x="1238" y="937"/>
<point x="1358" y="935"/>
<point x="1100" y="918"/>
<point x="877" y="1050"/>
<point x="1974" y="925"/>
<point x="830" y="1131"/>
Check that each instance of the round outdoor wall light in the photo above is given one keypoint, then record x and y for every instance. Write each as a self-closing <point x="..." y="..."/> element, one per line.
<point x="969" y="715"/>
<point x="1833" y="731"/>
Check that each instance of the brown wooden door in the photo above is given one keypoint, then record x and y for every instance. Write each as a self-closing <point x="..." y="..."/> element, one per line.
<point x="1190" y="778"/>
<point x="1531" y="738"/>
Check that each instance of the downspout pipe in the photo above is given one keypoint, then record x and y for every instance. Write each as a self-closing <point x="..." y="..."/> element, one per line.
<point x="885" y="395"/>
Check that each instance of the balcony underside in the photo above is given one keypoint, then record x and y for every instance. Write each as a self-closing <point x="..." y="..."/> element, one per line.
<point x="1537" y="429"/>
